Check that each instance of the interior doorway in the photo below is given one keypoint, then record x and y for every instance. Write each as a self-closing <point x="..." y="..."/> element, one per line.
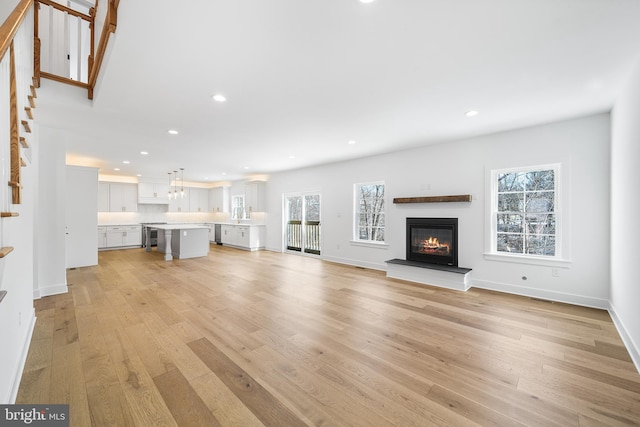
<point x="302" y="223"/>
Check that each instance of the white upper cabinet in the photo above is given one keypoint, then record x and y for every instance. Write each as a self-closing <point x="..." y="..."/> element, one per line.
<point x="181" y="204"/>
<point x="123" y="197"/>
<point x="117" y="197"/>
<point x="254" y="196"/>
<point x="155" y="193"/>
<point x="219" y="199"/>
<point x="103" y="197"/>
<point x="198" y="200"/>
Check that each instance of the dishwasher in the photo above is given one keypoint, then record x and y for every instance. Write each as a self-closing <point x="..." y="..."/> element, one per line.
<point x="218" y="234"/>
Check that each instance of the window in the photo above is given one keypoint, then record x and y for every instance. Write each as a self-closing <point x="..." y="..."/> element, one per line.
<point x="369" y="212"/>
<point x="237" y="207"/>
<point x="524" y="213"/>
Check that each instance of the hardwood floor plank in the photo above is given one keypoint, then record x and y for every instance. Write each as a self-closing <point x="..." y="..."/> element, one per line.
<point x="263" y="405"/>
<point x="469" y="409"/>
<point x="185" y="404"/>
<point x="68" y="384"/>
<point x="65" y="325"/>
<point x="145" y="403"/>
<point x="109" y="406"/>
<point x="225" y="406"/>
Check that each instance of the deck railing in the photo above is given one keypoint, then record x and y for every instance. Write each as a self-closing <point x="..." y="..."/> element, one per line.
<point x="310" y="235"/>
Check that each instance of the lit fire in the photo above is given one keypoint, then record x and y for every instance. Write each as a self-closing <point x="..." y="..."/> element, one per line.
<point x="432" y="244"/>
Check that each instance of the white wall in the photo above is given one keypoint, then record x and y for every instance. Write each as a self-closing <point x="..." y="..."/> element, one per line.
<point x="50" y="253"/>
<point x="625" y="207"/>
<point x="6" y="7"/>
<point x="461" y="168"/>
<point x="17" y="316"/>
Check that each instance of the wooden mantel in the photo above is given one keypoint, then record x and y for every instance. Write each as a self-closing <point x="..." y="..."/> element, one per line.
<point x="434" y="199"/>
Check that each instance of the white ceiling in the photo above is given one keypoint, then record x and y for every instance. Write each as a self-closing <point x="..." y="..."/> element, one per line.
<point x="304" y="77"/>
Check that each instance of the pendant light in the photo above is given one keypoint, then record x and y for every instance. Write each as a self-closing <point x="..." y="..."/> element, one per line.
<point x="182" y="183"/>
<point x="169" y="186"/>
<point x="175" y="185"/>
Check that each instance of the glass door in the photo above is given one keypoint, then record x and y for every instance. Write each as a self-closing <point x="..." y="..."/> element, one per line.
<point x="302" y="229"/>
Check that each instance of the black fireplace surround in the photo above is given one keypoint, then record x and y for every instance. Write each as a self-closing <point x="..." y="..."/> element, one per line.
<point x="433" y="240"/>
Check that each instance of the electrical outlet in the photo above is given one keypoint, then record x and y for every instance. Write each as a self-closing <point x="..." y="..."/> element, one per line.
<point x="555" y="272"/>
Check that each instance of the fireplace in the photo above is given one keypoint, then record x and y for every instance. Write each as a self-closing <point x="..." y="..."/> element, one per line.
<point x="433" y="240"/>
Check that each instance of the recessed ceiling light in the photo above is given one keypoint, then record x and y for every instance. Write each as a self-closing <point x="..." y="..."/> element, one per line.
<point x="352" y="142"/>
<point x="220" y="98"/>
<point x="173" y="131"/>
<point x="292" y="157"/>
<point x="224" y="173"/>
<point x="246" y="167"/>
<point x="144" y="153"/>
<point x="366" y="1"/>
<point x="116" y="169"/>
<point x="139" y="174"/>
<point x="126" y="162"/>
<point x="471" y="113"/>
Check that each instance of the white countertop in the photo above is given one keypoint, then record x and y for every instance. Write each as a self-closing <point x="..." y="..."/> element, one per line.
<point x="176" y="226"/>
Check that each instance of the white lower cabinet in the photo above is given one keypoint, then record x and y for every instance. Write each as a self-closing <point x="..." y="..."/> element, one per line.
<point x="102" y="237"/>
<point x="119" y="236"/>
<point x="250" y="237"/>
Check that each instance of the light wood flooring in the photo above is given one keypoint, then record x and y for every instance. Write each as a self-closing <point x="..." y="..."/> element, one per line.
<point x="251" y="339"/>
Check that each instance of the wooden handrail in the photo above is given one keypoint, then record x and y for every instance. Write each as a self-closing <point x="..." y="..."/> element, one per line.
<point x="10" y="27"/>
<point x="110" y="23"/>
<point x="65" y="9"/>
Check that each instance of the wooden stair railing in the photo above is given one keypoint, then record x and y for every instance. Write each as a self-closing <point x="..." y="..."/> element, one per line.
<point x="95" y="57"/>
<point x="8" y="31"/>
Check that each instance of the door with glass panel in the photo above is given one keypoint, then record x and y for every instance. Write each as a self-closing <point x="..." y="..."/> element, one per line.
<point x="302" y="228"/>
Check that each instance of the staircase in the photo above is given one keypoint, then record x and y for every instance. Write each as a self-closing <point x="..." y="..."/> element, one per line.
<point x="67" y="48"/>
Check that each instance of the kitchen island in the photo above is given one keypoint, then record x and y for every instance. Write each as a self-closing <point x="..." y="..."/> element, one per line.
<point x="180" y="240"/>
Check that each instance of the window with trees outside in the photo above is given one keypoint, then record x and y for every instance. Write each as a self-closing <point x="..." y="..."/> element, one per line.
<point x="237" y="207"/>
<point x="525" y="216"/>
<point x="369" y="212"/>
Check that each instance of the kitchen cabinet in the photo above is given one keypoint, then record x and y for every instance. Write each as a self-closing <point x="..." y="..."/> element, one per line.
<point x="118" y="236"/>
<point x="181" y="204"/>
<point x="249" y="237"/>
<point x="102" y="237"/>
<point x="153" y="193"/>
<point x="117" y="197"/>
<point x="254" y="196"/>
<point x="103" y="197"/>
<point x="198" y="200"/>
<point x="219" y="199"/>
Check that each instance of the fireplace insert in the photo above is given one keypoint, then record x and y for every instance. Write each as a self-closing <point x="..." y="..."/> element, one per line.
<point x="433" y="240"/>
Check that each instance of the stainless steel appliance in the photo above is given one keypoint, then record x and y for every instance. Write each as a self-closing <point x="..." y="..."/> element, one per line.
<point x="218" y="234"/>
<point x="147" y="228"/>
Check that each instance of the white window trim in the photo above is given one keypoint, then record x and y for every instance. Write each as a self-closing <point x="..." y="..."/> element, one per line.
<point x="358" y="242"/>
<point x="233" y="208"/>
<point x="369" y="243"/>
<point x="562" y="257"/>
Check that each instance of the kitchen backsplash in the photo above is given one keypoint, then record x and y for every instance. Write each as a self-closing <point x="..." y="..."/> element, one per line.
<point x="158" y="213"/>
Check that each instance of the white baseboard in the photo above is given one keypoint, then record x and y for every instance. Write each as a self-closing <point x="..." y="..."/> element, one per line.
<point x="632" y="347"/>
<point x="50" y="290"/>
<point x="17" y="376"/>
<point x="356" y="263"/>
<point x="542" y="294"/>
